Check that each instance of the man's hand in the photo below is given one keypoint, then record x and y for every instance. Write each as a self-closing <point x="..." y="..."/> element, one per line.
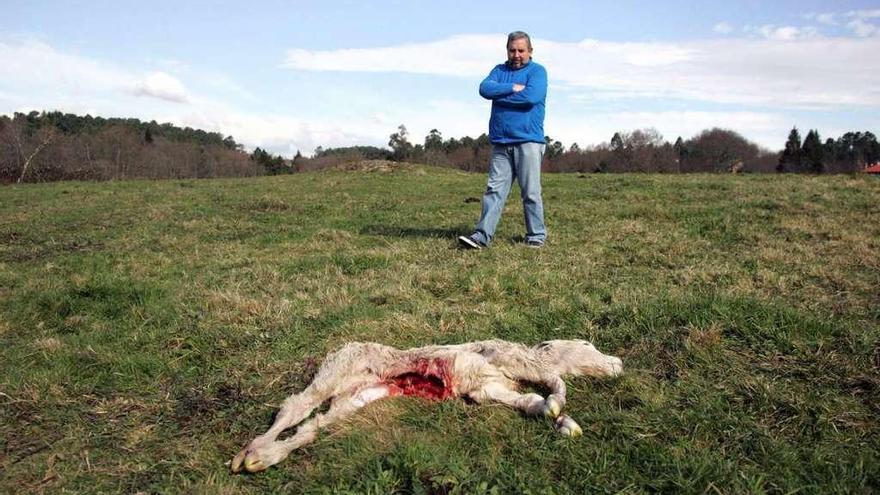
<point x="518" y="87"/>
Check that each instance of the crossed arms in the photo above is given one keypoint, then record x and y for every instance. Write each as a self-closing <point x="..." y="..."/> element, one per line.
<point x="513" y="94"/>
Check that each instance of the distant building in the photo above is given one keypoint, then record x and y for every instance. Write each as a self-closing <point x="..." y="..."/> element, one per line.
<point x="873" y="169"/>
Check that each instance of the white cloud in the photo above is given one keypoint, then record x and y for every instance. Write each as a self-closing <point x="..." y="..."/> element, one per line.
<point x="826" y="18"/>
<point x="862" y="28"/>
<point x="36" y="65"/>
<point x="421" y="58"/>
<point x="161" y="85"/>
<point x="277" y="133"/>
<point x="782" y="74"/>
<point x="723" y="28"/>
<point x="864" y="14"/>
<point x="861" y="22"/>
<point x="653" y="55"/>
<point x="782" y="33"/>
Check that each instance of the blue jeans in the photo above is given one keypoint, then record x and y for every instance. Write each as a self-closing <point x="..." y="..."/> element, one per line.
<point x="523" y="161"/>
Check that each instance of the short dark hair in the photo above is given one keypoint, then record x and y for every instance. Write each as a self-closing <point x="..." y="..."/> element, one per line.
<point x="519" y="35"/>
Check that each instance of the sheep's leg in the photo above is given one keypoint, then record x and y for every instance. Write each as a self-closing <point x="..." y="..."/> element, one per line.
<point x="341" y="371"/>
<point x="532" y="404"/>
<point x="296" y="408"/>
<point x="293" y="410"/>
<point x="340" y="409"/>
<point x="567" y="426"/>
<point x="556" y="399"/>
<point x="257" y="457"/>
<point x="552" y="406"/>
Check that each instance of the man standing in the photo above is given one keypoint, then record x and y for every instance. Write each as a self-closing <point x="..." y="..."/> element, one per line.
<point x="518" y="90"/>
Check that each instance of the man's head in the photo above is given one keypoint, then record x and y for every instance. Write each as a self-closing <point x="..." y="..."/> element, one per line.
<point x="519" y="49"/>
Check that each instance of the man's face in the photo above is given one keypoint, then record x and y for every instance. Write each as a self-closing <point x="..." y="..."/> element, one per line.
<point x="518" y="53"/>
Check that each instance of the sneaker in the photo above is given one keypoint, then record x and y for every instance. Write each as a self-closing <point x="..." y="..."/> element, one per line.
<point x="535" y="244"/>
<point x="468" y="243"/>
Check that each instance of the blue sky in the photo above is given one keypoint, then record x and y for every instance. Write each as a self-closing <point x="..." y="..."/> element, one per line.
<point x="291" y="76"/>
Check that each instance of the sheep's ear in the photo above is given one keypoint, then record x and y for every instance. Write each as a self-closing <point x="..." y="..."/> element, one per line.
<point x="542" y="346"/>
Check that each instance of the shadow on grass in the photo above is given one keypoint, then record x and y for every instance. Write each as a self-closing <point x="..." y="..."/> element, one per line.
<point x="438" y="233"/>
<point x="394" y="231"/>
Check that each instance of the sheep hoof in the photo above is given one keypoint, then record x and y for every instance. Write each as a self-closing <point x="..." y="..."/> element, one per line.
<point x="251" y="463"/>
<point x="237" y="462"/>
<point x="255" y="465"/>
<point x="552" y="408"/>
<point x="568" y="427"/>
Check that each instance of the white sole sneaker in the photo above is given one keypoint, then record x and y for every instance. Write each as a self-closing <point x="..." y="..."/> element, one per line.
<point x="468" y="243"/>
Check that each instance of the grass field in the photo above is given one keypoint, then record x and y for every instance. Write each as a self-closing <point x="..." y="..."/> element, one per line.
<point x="150" y="329"/>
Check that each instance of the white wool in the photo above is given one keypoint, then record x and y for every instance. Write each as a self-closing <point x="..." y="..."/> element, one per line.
<point x="486" y="371"/>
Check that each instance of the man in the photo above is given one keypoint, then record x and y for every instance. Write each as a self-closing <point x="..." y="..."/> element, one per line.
<point x="517" y="89"/>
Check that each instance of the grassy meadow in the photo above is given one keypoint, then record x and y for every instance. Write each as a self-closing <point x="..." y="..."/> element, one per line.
<point x="148" y="330"/>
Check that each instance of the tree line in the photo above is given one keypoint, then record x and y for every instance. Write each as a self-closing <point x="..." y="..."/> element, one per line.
<point x="50" y="146"/>
<point x="642" y="150"/>
<point x="716" y="150"/>
<point x="849" y="153"/>
<point x="57" y="146"/>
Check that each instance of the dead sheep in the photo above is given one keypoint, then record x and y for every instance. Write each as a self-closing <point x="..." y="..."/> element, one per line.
<point x="486" y="371"/>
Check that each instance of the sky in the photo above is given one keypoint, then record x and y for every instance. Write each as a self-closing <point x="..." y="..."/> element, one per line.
<point x="291" y="76"/>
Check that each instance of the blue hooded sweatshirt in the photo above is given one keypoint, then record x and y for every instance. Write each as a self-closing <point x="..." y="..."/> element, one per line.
<point x="516" y="117"/>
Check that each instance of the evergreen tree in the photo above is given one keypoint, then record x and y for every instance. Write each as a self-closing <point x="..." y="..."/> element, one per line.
<point x="868" y="147"/>
<point x="830" y="149"/>
<point x="790" y="161"/>
<point x="434" y="140"/>
<point x="812" y="153"/>
<point x="273" y="165"/>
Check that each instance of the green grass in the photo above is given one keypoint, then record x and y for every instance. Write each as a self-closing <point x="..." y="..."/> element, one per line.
<point x="150" y="329"/>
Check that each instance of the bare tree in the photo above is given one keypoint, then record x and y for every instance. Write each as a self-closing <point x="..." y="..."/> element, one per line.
<point x="44" y="137"/>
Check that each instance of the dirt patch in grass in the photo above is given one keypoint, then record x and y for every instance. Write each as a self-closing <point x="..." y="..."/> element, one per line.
<point x="24" y="253"/>
<point x="203" y="404"/>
